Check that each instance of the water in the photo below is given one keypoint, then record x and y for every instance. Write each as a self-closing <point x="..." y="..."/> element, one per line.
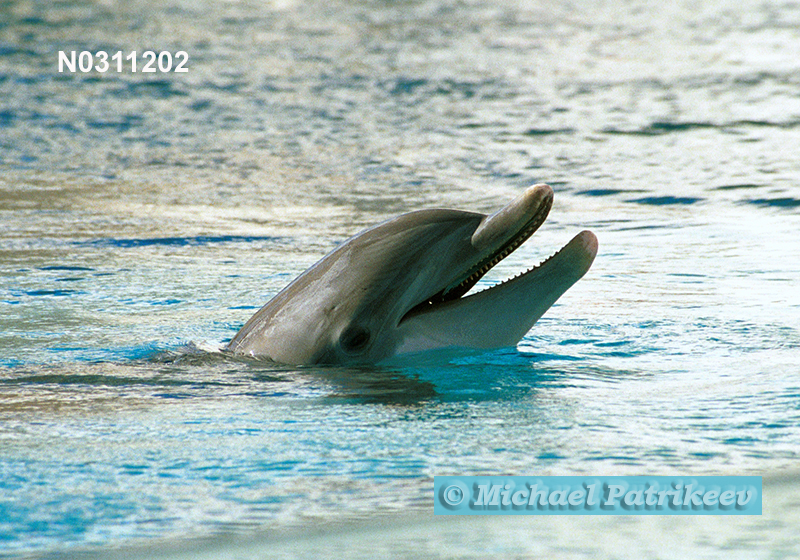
<point x="146" y="217"/>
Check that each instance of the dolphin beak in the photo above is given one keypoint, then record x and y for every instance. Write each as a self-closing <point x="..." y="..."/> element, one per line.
<point x="500" y="316"/>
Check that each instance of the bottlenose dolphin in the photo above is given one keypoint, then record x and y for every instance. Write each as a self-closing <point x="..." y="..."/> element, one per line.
<point x="398" y="287"/>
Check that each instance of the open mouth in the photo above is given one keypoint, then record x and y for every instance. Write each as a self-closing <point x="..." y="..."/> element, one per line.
<point x="478" y="270"/>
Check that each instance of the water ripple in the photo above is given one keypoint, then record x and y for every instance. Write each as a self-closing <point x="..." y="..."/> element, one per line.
<point x="181" y="241"/>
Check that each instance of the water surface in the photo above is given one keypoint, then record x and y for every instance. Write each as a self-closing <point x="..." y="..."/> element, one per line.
<point x="145" y="218"/>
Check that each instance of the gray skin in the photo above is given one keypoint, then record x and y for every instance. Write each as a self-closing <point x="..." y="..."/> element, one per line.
<point x="398" y="287"/>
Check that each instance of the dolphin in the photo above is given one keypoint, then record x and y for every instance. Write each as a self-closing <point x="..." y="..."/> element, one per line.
<point x="400" y="287"/>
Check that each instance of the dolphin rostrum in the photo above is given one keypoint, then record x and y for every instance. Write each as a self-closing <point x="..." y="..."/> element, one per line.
<point x="399" y="287"/>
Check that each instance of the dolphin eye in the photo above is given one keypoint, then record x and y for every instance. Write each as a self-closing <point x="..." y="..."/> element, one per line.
<point x="354" y="339"/>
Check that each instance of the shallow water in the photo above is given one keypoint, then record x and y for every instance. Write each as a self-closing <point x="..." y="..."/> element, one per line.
<point x="145" y="218"/>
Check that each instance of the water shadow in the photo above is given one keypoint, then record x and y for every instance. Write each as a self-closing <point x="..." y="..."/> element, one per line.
<point x="783" y="202"/>
<point x="180" y="241"/>
<point x="665" y="200"/>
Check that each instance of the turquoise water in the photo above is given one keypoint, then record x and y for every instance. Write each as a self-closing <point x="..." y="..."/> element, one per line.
<point x="146" y="217"/>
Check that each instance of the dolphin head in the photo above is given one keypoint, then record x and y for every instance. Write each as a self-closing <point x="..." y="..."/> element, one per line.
<point x="399" y="287"/>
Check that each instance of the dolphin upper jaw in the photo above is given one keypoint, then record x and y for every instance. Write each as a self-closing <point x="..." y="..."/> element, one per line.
<point x="496" y="237"/>
<point x="400" y="287"/>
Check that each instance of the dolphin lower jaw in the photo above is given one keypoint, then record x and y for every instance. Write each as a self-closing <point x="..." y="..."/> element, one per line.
<point x="501" y="315"/>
